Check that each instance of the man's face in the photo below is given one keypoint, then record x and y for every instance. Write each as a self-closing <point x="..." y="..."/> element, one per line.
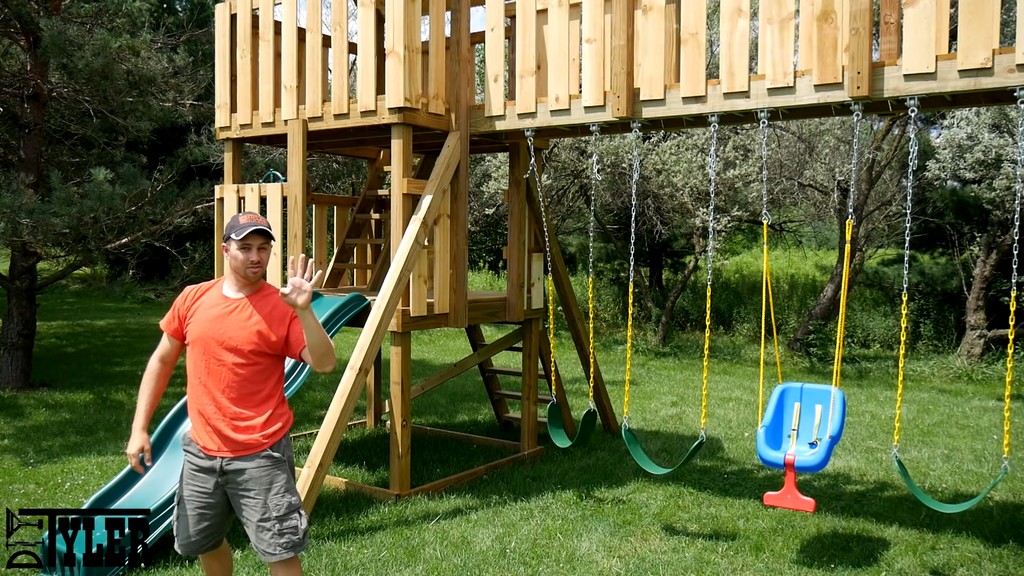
<point x="248" y="257"/>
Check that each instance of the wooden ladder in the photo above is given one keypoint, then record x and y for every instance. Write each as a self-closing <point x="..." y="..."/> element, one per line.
<point x="499" y="396"/>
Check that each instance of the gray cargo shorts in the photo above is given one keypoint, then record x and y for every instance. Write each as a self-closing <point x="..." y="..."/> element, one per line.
<point x="259" y="489"/>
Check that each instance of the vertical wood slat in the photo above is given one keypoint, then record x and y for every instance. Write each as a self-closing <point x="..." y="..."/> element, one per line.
<point x="275" y="215"/>
<point x="889" y="33"/>
<point x="672" y="36"/>
<point x="777" y="42"/>
<point x="650" y="30"/>
<point x="1020" y="33"/>
<point x="321" y="248"/>
<point x="437" y="78"/>
<point x="621" y="71"/>
<point x="251" y="198"/>
<point x="593" y="52"/>
<point x="314" y="59"/>
<point x="735" y="46"/>
<point x="244" y="61"/>
<point x="543" y="59"/>
<point x="526" y="56"/>
<point x="828" y="42"/>
<point x="919" y="37"/>
<point x="419" y="279"/>
<point x="366" y="57"/>
<point x="494" y="58"/>
<point x="693" y="28"/>
<point x="402" y="54"/>
<point x="575" y="36"/>
<point x="222" y="64"/>
<point x="267" y="56"/>
<point x="443" y="257"/>
<point x="557" y="50"/>
<point x="975" y="35"/>
<point x="289" y="60"/>
<point x="859" y="59"/>
<point x="339" y="57"/>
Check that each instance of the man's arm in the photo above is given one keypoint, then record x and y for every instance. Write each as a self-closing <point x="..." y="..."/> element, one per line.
<point x="154" y="383"/>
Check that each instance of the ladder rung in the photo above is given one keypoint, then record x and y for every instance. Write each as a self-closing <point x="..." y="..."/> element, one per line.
<point x="364" y="240"/>
<point x="513" y="395"/>
<point x="501" y="371"/>
<point x="518" y="417"/>
<point x="353" y="266"/>
<point x="371" y="216"/>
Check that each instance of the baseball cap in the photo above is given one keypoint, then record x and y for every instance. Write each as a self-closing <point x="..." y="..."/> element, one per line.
<point x="244" y="223"/>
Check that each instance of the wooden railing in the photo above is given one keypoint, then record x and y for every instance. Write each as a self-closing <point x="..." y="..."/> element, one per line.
<point x="570" y="59"/>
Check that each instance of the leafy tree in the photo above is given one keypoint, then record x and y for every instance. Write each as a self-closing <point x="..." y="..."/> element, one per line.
<point x="103" y="141"/>
<point x="974" y="170"/>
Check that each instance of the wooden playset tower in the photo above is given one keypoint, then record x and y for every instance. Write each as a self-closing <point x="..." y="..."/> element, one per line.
<point x="413" y="87"/>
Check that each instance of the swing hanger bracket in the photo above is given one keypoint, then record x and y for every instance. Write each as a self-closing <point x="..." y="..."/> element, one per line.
<point x="913" y="102"/>
<point x="763" y="115"/>
<point x="1019" y="93"/>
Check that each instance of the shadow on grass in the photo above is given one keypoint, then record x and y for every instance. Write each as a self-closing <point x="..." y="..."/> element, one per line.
<point x="841" y="550"/>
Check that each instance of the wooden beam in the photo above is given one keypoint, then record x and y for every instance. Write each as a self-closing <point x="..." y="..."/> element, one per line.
<point x="353" y="380"/>
<point x="467" y="363"/>
<point x="460" y="102"/>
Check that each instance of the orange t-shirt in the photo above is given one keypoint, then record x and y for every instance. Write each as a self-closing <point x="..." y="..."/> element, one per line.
<point x="234" y="359"/>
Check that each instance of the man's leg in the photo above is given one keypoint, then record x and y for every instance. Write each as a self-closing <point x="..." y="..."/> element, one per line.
<point x="290" y="567"/>
<point x="217" y="562"/>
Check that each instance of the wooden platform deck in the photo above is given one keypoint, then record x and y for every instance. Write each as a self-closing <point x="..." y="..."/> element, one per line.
<point x="558" y="66"/>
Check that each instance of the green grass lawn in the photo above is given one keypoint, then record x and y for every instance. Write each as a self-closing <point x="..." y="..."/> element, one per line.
<point x="586" y="510"/>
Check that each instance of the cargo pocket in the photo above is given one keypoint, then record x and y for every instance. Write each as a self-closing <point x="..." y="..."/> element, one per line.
<point x="290" y="522"/>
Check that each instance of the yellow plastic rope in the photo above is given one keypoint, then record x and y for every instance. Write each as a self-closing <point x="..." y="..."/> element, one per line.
<point x="767" y="307"/>
<point x="551" y="333"/>
<point x="629" y="354"/>
<point x="899" y="373"/>
<point x="707" y="354"/>
<point x="837" y="366"/>
<point x="1009" y="376"/>
<point x="590" y="319"/>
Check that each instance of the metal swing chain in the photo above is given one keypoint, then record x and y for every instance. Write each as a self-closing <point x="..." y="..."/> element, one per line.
<point x="712" y="173"/>
<point x="763" y="125"/>
<point x="904" y="296"/>
<point x="1018" y="188"/>
<point x="635" y="125"/>
<point x="595" y="179"/>
<point x="858" y="115"/>
<point x="547" y="254"/>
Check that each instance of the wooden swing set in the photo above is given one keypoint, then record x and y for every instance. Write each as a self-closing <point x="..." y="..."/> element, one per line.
<point x="395" y="84"/>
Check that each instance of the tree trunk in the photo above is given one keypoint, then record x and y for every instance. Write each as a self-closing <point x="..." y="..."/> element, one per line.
<point x="976" y="333"/>
<point x="668" y="312"/>
<point x="826" y="307"/>
<point x="18" y="333"/>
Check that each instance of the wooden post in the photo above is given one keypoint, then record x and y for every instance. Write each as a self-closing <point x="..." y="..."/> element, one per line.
<point x="515" y="251"/>
<point x="353" y="380"/>
<point x="297" y="179"/>
<point x="458" y="207"/>
<point x="401" y="406"/>
<point x="401" y="203"/>
<point x="232" y="177"/>
<point x="528" y="404"/>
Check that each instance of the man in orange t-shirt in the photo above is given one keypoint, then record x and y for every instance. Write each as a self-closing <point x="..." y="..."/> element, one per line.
<point x="237" y="330"/>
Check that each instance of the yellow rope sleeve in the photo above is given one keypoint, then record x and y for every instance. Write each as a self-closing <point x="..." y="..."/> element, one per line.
<point x="896" y="428"/>
<point x="551" y="333"/>
<point x="1009" y="376"/>
<point x="629" y="355"/>
<point x="775" y="330"/>
<point x="764" y="312"/>
<point x="707" y="353"/>
<point x="590" y="319"/>
<point x="837" y="366"/>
